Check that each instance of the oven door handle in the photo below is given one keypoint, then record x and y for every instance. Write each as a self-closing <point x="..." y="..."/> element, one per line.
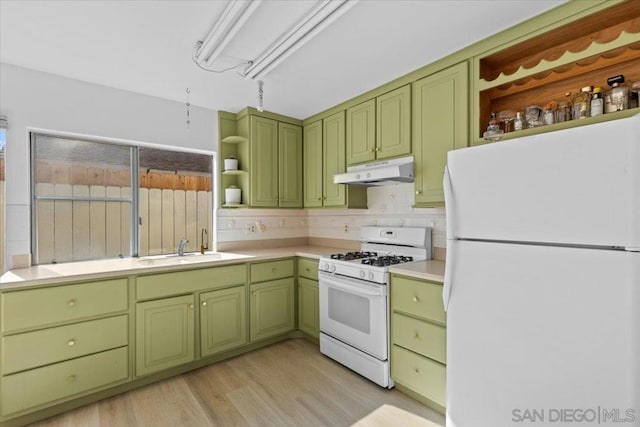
<point x="344" y="285"/>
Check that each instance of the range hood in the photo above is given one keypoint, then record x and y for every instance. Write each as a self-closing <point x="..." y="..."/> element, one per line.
<point x="378" y="173"/>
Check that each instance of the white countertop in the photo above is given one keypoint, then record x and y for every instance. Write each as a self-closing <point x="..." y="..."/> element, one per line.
<point x="426" y="270"/>
<point x="99" y="269"/>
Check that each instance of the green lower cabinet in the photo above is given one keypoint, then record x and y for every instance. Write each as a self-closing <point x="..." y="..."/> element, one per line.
<point x="420" y="374"/>
<point x="419" y="339"/>
<point x="272" y="308"/>
<point x="164" y="333"/>
<point x="308" y="312"/>
<point x="68" y="379"/>
<point x="223" y="320"/>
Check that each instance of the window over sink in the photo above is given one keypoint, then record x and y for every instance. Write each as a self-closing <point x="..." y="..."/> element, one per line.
<point x="95" y="199"/>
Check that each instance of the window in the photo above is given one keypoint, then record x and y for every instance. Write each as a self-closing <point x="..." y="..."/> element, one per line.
<point x="94" y="199"/>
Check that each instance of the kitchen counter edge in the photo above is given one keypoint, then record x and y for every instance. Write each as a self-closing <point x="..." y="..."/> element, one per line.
<point x="50" y="274"/>
<point x="432" y="270"/>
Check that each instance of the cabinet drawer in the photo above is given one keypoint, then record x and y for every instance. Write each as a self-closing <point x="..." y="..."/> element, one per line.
<point x="271" y="270"/>
<point x="44" y="306"/>
<point x="182" y="282"/>
<point x="419" y="336"/>
<point x="417" y="297"/>
<point x="422" y="375"/>
<point x="32" y="349"/>
<point x="37" y="386"/>
<point x="308" y="268"/>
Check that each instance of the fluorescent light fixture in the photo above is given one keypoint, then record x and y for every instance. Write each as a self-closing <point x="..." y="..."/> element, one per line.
<point x="323" y="14"/>
<point x="230" y="22"/>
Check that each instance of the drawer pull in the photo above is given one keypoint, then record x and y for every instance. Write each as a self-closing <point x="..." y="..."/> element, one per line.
<point x="71" y="343"/>
<point x="416" y="370"/>
<point x="416" y="336"/>
<point x="415" y="299"/>
<point x="204" y="303"/>
<point x="190" y="305"/>
<point x="309" y="270"/>
<point x="71" y="378"/>
<point x="71" y="303"/>
<point x="274" y="269"/>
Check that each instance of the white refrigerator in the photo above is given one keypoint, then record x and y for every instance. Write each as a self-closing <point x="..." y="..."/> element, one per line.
<point x="542" y="281"/>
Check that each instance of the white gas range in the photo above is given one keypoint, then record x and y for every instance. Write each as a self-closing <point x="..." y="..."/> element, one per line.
<point x="354" y="302"/>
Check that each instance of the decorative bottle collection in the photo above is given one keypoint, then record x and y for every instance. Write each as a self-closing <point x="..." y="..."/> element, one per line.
<point x="589" y="101"/>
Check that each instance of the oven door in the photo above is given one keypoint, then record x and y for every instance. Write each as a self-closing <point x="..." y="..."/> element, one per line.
<point x="354" y="312"/>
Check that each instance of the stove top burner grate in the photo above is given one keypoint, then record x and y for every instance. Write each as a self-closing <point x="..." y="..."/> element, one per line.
<point x="386" y="260"/>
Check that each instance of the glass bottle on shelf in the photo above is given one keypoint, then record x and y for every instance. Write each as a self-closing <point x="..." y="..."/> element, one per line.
<point x="616" y="99"/>
<point x="507" y="117"/>
<point x="597" y="102"/>
<point x="634" y="100"/>
<point x="518" y="123"/>
<point x="563" y="112"/>
<point x="493" y="132"/>
<point x="581" y="103"/>
<point x="549" y="113"/>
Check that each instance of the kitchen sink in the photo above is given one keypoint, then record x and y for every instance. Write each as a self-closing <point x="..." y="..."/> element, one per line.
<point x="175" y="259"/>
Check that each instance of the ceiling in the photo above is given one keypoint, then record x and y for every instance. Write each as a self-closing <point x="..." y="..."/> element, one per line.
<point x="146" y="46"/>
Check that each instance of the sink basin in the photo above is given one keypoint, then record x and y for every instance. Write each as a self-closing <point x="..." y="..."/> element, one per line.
<point x="175" y="259"/>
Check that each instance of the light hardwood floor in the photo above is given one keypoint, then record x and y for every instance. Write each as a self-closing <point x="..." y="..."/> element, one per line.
<point x="287" y="384"/>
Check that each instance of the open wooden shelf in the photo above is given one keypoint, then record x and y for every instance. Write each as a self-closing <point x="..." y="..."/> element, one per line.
<point x="551" y="65"/>
<point x="612" y="27"/>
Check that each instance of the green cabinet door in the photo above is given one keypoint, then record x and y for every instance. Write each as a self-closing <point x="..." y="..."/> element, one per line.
<point x="264" y="162"/>
<point x="222" y="320"/>
<point x="271" y="308"/>
<point x="308" y="312"/>
<point x="289" y="166"/>
<point x="164" y="333"/>
<point x="312" y="165"/>
<point x="393" y="123"/>
<point x="333" y="158"/>
<point x="440" y="124"/>
<point x="361" y="132"/>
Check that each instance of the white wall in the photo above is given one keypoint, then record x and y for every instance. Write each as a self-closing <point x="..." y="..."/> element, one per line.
<point x="32" y="99"/>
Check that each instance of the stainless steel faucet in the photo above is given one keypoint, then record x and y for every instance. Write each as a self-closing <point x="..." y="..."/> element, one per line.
<point x="204" y="240"/>
<point x="183" y="242"/>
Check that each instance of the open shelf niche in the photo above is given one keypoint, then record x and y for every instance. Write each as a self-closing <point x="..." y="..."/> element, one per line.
<point x="547" y="67"/>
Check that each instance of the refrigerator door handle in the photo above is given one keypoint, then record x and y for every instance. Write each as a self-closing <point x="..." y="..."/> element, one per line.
<point x="448" y="267"/>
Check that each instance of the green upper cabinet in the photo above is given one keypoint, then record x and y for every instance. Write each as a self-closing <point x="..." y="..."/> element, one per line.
<point x="312" y="165"/>
<point x="264" y="162"/>
<point x="289" y="166"/>
<point x="380" y="128"/>
<point x="440" y="124"/>
<point x="361" y="132"/>
<point x="324" y="156"/>
<point x="333" y="158"/>
<point x="393" y="123"/>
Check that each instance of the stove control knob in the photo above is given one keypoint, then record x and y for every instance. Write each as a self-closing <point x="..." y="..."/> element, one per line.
<point x="357" y="176"/>
<point x="371" y="275"/>
<point x="333" y="268"/>
<point x="362" y="273"/>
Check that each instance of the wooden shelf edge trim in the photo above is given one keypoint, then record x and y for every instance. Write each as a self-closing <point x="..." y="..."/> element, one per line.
<point x="625" y="39"/>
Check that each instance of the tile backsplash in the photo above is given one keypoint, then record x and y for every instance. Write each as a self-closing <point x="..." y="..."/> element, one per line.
<point x="389" y="205"/>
